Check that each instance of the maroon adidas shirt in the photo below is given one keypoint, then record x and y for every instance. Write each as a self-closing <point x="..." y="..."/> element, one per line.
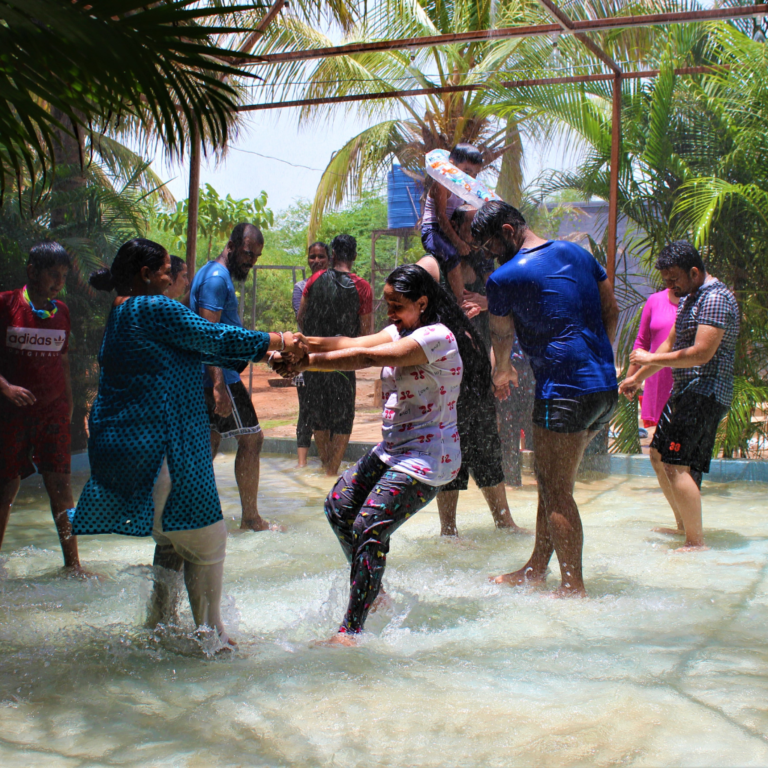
<point x="31" y="348"/>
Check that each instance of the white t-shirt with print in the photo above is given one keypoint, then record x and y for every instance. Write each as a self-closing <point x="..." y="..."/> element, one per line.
<point x="421" y="438"/>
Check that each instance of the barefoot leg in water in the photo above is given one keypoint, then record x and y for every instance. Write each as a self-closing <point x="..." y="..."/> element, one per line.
<point x="496" y="497"/>
<point x="666" y="488"/>
<point x="558" y="525"/>
<point x="447" y="501"/>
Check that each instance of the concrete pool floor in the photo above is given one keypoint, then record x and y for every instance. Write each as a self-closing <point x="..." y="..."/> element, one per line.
<point x="664" y="664"/>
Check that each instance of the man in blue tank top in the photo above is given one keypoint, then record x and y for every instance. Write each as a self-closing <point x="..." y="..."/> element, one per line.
<point x="558" y="300"/>
<point x="230" y="410"/>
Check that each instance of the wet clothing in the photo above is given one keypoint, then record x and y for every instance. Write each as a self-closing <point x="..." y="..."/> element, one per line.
<point x="329" y="398"/>
<point x="552" y="293"/>
<point x="437" y="244"/>
<point x="421" y="436"/>
<point x="31" y="349"/>
<point x="429" y="217"/>
<point x="335" y="302"/>
<point x="369" y="502"/>
<point x="150" y="406"/>
<point x="712" y="304"/>
<point x="303" y="425"/>
<point x="656" y="322"/>
<point x="35" y="437"/>
<point x="481" y="322"/>
<point x="687" y="430"/>
<point x="516" y="416"/>
<point x="213" y="289"/>
<point x="243" y="419"/>
<point x="202" y="546"/>
<point x="298" y="290"/>
<point x="575" y="414"/>
<point x="480" y="446"/>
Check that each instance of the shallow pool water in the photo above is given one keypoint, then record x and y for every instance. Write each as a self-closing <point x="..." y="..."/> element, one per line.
<point x="664" y="664"/>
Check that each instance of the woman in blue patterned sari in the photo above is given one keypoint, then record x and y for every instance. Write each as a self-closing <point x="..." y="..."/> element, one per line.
<point x="149" y="446"/>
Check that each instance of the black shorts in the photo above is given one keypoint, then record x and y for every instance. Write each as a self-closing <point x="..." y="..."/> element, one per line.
<point x="329" y="400"/>
<point x="575" y="414"/>
<point x="687" y="430"/>
<point x="480" y="447"/>
<point x="242" y="420"/>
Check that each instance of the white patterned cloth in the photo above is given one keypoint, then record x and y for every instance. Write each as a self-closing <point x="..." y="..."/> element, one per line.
<point x="421" y="438"/>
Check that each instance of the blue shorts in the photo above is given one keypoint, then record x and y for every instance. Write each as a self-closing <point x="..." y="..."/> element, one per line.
<point x="438" y="245"/>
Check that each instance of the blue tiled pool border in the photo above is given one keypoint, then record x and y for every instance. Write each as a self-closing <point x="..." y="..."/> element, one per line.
<point x="721" y="470"/>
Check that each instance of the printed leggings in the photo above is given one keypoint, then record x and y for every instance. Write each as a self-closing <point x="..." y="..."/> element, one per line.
<point x="367" y="505"/>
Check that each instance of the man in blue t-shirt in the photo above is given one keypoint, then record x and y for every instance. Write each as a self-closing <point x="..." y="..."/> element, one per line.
<point x="558" y="300"/>
<point x="230" y="410"/>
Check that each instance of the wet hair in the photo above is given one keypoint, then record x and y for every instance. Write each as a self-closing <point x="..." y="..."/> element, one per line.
<point x="324" y="246"/>
<point x="177" y="264"/>
<point x="240" y="232"/>
<point x="344" y="248"/>
<point x="130" y="259"/>
<point x="459" y="216"/>
<point x="492" y="216"/>
<point x="680" y="254"/>
<point x="48" y="254"/>
<point x="466" y="153"/>
<point x="413" y="282"/>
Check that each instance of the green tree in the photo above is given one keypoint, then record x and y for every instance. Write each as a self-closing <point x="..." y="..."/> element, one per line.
<point x="217" y="216"/>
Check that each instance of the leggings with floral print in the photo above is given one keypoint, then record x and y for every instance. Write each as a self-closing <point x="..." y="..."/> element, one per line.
<point x="369" y="502"/>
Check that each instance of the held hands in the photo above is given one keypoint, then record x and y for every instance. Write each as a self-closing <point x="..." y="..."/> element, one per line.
<point x="296" y="346"/>
<point x="284" y="365"/>
<point x="629" y="387"/>
<point x="476" y="298"/>
<point x="470" y="310"/>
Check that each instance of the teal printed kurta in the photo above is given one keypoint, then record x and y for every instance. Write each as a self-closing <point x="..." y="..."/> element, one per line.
<point x="149" y="406"/>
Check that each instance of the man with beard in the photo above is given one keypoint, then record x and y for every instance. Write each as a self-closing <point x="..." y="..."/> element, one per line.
<point x="230" y="410"/>
<point x="558" y="300"/>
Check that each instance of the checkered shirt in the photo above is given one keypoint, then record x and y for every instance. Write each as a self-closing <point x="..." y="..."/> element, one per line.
<point x="713" y="304"/>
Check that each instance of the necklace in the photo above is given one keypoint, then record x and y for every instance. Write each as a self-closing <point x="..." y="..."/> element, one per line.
<point x="43" y="314"/>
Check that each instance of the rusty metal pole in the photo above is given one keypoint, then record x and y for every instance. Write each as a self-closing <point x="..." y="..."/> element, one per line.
<point x="193" y="205"/>
<point x="613" y="187"/>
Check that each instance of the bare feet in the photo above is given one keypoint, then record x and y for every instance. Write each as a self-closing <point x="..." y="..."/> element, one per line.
<point x="521" y="578"/>
<point x="382" y="602"/>
<point x="564" y="591"/>
<point x="670" y="531"/>
<point x="78" y="572"/>
<point x="260" y="524"/>
<point x="342" y="638"/>
<point x="691" y="548"/>
<point x="513" y="527"/>
<point x="450" y="530"/>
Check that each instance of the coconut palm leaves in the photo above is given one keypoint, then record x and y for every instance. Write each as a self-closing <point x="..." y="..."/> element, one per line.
<point x="66" y="64"/>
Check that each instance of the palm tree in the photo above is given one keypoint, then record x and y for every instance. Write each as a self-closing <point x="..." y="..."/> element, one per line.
<point x="692" y="166"/>
<point x="406" y="127"/>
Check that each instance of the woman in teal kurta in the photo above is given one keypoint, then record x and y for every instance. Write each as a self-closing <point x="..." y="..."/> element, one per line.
<point x="150" y="410"/>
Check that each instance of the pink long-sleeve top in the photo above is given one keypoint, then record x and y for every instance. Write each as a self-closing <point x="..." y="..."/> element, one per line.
<point x="656" y="321"/>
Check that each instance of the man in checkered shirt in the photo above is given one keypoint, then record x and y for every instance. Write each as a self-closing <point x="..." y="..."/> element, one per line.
<point x="700" y="350"/>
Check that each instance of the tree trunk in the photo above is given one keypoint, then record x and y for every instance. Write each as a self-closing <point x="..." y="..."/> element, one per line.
<point x="510" y="186"/>
<point x="68" y="155"/>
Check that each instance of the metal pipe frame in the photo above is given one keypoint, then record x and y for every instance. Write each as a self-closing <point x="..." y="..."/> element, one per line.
<point x="598" y="77"/>
<point x="530" y="30"/>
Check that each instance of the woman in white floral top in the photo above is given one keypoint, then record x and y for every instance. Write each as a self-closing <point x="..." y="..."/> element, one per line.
<point x="423" y="355"/>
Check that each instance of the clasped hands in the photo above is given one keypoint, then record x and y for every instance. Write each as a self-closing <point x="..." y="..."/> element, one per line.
<point x="293" y="359"/>
<point x="631" y="385"/>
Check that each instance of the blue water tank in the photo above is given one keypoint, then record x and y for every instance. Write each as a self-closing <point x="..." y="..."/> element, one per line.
<point x="403" y="199"/>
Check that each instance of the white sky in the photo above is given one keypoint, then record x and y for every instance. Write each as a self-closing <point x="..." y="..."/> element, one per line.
<point x="277" y="135"/>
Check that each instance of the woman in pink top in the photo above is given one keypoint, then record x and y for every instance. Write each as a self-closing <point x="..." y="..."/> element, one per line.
<point x="656" y="321"/>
